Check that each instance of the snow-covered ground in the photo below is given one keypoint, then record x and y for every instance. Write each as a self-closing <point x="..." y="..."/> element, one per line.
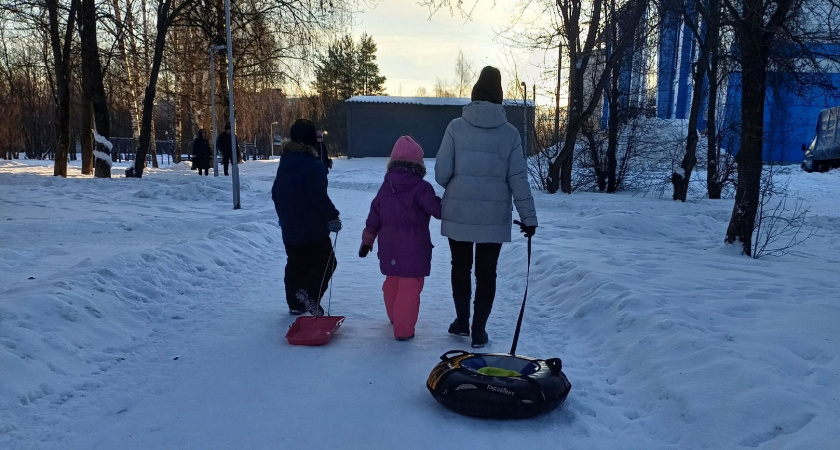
<point x="148" y="313"/>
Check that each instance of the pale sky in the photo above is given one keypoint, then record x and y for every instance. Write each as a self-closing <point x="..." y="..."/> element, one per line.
<point x="414" y="50"/>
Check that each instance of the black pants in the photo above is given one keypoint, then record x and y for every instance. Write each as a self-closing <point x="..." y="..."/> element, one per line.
<point x="226" y="156"/>
<point x="486" y="260"/>
<point x="306" y="268"/>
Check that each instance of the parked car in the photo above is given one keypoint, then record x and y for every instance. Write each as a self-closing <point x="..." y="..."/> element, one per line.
<point x="824" y="152"/>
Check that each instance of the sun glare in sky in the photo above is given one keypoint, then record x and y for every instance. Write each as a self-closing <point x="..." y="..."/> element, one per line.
<point x="415" y="50"/>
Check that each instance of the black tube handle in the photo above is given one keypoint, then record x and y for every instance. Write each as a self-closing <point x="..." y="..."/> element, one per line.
<point x="555" y="365"/>
<point x="451" y="353"/>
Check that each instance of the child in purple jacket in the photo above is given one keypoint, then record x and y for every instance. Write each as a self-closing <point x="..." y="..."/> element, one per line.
<point x="399" y="215"/>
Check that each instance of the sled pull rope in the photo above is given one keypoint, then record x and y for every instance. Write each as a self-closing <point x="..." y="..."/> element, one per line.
<point x="524" y="297"/>
<point x="324" y="277"/>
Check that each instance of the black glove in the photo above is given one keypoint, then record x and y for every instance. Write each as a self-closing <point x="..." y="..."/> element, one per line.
<point x="334" y="225"/>
<point x="527" y="230"/>
<point x="364" y="250"/>
<point x="329" y="163"/>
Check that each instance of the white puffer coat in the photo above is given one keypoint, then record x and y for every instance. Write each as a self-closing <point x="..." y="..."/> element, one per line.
<point x="481" y="167"/>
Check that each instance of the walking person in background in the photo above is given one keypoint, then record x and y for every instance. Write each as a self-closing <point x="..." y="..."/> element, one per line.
<point x="323" y="151"/>
<point x="399" y="215"/>
<point x="306" y="216"/>
<point x="223" y="145"/>
<point x="481" y="167"/>
<point x="202" y="153"/>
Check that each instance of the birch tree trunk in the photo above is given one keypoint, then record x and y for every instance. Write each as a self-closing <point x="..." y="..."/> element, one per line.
<point x="130" y="67"/>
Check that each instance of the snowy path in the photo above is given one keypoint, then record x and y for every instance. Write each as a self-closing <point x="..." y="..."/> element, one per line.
<point x="237" y="382"/>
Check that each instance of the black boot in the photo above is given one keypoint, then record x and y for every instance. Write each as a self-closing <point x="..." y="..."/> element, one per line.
<point x="480" y="316"/>
<point x="461" y="325"/>
<point x="479" y="338"/>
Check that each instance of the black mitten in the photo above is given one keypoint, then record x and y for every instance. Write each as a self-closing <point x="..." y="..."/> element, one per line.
<point x="334" y="225"/>
<point x="527" y="230"/>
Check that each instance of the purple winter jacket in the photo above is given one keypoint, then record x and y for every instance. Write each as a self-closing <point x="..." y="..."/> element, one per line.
<point x="399" y="215"/>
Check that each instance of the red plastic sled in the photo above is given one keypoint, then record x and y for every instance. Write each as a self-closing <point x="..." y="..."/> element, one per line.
<point x="310" y="330"/>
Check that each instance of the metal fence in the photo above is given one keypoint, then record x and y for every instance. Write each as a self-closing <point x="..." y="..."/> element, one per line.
<point x="168" y="151"/>
<point x="125" y="149"/>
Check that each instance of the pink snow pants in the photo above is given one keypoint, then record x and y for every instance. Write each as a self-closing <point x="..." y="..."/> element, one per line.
<point x="402" y="303"/>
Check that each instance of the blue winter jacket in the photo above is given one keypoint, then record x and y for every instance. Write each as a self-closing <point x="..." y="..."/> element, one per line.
<point x="300" y="196"/>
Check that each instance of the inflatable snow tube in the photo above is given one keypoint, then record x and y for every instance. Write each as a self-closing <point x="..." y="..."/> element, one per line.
<point x="498" y="385"/>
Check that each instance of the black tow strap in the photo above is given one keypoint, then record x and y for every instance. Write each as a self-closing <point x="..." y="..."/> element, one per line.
<point x="524" y="297"/>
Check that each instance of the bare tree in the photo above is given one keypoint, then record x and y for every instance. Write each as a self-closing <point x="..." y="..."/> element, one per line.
<point x="442" y="88"/>
<point x="778" y="227"/>
<point x="758" y="25"/>
<point x="707" y="39"/>
<point x="581" y="49"/>
<point x="464" y="75"/>
<point x="166" y="15"/>
<point x="61" y="58"/>
<point x="296" y="29"/>
<point x="94" y="87"/>
<point x="14" y="85"/>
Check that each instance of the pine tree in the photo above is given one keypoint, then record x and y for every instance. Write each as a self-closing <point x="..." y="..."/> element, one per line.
<point x="348" y="69"/>
<point x="368" y="80"/>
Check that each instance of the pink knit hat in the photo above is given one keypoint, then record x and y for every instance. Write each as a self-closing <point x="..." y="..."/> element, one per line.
<point x="406" y="149"/>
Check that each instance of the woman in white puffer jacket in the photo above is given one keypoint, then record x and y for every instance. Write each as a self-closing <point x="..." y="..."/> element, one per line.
<point x="482" y="169"/>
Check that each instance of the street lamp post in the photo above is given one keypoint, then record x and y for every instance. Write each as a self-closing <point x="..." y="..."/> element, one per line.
<point x="524" y="120"/>
<point x="557" y="95"/>
<point x="272" y="137"/>
<point x="234" y="158"/>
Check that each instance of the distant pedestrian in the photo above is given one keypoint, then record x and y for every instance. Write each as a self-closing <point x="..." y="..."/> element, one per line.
<point x="399" y="216"/>
<point x="202" y="153"/>
<point x="306" y="216"/>
<point x="223" y="145"/>
<point x="481" y="167"/>
<point x="323" y="151"/>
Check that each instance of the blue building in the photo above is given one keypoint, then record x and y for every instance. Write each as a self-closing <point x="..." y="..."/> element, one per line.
<point x="632" y="78"/>
<point x="791" y="108"/>
<point x="790" y="114"/>
<point x="677" y="50"/>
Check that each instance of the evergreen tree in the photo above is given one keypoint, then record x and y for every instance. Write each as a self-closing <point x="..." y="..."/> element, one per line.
<point x="326" y="76"/>
<point x="368" y="80"/>
<point x="348" y="69"/>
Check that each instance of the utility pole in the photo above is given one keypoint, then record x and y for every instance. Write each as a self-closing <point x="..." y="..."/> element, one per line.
<point x="557" y="95"/>
<point x="234" y="154"/>
<point x="524" y="120"/>
<point x="272" y="137"/>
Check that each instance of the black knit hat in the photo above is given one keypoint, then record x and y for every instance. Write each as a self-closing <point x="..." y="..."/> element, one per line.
<point x="489" y="86"/>
<point x="304" y="131"/>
